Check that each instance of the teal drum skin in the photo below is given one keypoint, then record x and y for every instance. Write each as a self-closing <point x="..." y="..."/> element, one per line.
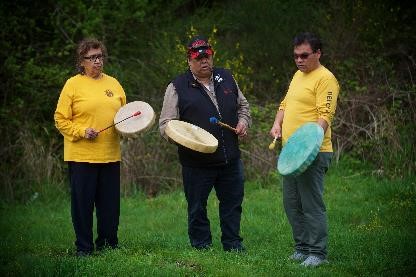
<point x="301" y="149"/>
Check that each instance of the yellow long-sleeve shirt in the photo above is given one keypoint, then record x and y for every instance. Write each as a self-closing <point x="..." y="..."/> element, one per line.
<point x="310" y="96"/>
<point x="89" y="103"/>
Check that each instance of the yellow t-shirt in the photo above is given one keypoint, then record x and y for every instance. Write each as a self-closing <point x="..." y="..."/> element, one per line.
<point x="310" y="96"/>
<point x="86" y="102"/>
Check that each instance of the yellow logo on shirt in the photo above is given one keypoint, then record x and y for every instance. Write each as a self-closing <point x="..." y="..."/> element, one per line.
<point x="109" y="93"/>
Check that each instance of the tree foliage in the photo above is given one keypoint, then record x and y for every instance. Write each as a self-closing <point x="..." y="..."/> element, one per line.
<point x="369" y="45"/>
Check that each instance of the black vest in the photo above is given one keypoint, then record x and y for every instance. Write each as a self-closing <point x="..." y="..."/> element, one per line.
<point x="196" y="107"/>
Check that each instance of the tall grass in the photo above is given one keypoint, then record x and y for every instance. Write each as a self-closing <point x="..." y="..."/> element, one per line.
<point x="372" y="226"/>
<point x="37" y="165"/>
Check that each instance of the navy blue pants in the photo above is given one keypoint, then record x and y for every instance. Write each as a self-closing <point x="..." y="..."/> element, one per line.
<point x="95" y="184"/>
<point x="228" y="182"/>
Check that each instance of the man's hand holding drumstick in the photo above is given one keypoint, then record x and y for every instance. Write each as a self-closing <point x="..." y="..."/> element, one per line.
<point x="240" y="129"/>
<point x="276" y="131"/>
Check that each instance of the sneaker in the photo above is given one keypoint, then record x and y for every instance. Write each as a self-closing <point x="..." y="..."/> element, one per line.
<point x="314" y="261"/>
<point x="298" y="256"/>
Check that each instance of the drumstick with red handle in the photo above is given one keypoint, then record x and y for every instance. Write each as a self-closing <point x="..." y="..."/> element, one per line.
<point x="135" y="114"/>
<point x="214" y="120"/>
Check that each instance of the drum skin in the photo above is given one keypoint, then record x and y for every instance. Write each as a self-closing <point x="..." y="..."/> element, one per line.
<point x="301" y="149"/>
<point x="191" y="136"/>
<point x="132" y="127"/>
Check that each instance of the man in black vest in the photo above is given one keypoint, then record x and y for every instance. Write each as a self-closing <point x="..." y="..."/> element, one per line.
<point x="200" y="93"/>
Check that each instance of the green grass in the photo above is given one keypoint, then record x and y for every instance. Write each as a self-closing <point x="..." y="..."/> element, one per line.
<point x="372" y="225"/>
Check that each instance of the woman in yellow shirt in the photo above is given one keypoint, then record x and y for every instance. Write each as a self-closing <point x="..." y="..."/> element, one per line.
<point x="88" y="103"/>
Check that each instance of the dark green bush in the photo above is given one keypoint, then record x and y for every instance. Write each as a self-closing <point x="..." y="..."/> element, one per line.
<point x="368" y="45"/>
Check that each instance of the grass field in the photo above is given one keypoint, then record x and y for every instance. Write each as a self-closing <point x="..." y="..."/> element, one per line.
<point x="372" y="225"/>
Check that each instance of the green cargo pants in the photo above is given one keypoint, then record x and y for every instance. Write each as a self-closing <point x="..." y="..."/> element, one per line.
<point x="305" y="208"/>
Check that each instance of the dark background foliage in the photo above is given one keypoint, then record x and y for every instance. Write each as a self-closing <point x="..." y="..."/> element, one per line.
<point x="369" y="45"/>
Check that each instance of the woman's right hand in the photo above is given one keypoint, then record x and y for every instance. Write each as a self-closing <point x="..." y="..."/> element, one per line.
<point x="90" y="133"/>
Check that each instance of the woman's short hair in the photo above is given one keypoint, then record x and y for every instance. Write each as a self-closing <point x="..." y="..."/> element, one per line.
<point x="83" y="47"/>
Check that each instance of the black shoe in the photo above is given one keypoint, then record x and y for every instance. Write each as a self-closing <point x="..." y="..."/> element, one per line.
<point x="81" y="253"/>
<point x="106" y="247"/>
<point x="239" y="249"/>
<point x="203" y="247"/>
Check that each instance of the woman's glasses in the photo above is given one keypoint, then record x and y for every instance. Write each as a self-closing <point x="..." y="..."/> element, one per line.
<point x="93" y="58"/>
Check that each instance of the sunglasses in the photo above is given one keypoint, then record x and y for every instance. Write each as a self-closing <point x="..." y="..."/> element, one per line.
<point x="200" y="53"/>
<point x="303" y="56"/>
<point x="93" y="58"/>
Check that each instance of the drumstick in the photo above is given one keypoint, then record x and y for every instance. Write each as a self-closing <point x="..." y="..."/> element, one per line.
<point x="273" y="144"/>
<point x="214" y="120"/>
<point x="135" y="114"/>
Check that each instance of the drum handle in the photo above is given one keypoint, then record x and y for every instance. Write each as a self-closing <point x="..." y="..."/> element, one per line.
<point x="135" y="114"/>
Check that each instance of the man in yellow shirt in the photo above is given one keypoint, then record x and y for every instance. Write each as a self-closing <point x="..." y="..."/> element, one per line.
<point x="311" y="97"/>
